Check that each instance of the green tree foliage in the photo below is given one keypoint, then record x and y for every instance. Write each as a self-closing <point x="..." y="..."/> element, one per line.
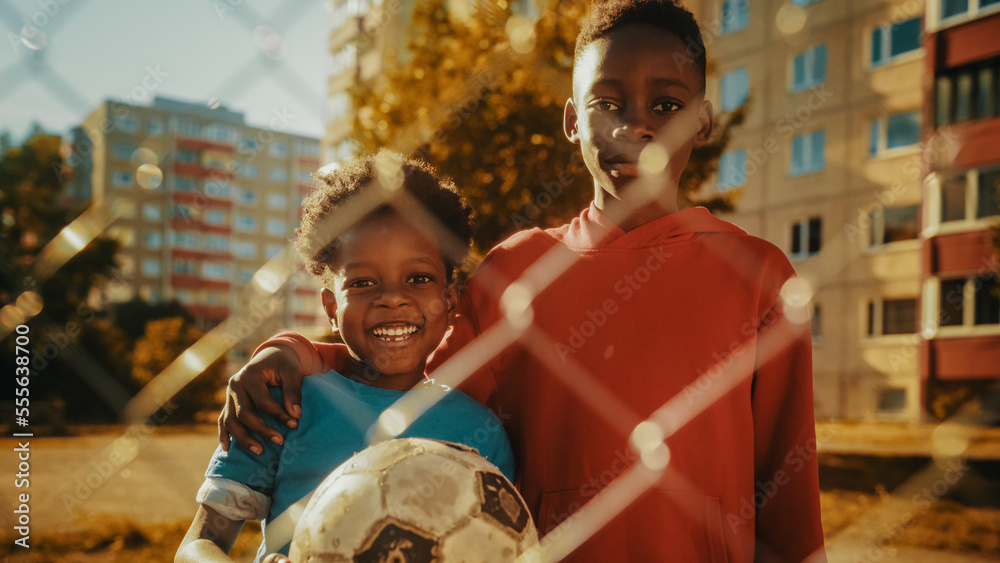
<point x="163" y="341"/>
<point x="34" y="207"/>
<point x="482" y="99"/>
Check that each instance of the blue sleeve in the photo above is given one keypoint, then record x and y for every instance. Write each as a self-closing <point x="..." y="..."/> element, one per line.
<point x="243" y="466"/>
<point x="486" y="434"/>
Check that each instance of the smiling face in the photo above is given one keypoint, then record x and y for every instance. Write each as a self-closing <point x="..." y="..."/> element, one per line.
<point x="390" y="298"/>
<point x="631" y="87"/>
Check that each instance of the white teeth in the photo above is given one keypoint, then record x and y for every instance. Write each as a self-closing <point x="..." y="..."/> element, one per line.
<point x="401" y="333"/>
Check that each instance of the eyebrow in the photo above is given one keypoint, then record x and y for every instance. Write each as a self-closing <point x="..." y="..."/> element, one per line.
<point x="657" y="81"/>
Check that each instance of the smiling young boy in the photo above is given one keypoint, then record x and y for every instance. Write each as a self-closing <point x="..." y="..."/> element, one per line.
<point x="670" y="317"/>
<point x="389" y="292"/>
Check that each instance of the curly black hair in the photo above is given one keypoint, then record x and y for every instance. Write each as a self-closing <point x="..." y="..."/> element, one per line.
<point x="336" y="187"/>
<point x="605" y="17"/>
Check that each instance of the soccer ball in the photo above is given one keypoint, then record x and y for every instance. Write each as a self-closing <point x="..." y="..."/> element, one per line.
<point x="413" y="500"/>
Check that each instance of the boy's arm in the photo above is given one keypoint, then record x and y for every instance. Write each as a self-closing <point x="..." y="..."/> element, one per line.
<point x="209" y="538"/>
<point x="788" y="524"/>
<point x="283" y="360"/>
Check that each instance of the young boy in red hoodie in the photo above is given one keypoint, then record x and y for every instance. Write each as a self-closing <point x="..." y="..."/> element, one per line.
<point x="676" y="317"/>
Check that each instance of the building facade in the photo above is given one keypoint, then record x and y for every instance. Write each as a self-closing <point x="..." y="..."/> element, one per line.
<point x="828" y="162"/>
<point x="960" y="317"/>
<point x="203" y="201"/>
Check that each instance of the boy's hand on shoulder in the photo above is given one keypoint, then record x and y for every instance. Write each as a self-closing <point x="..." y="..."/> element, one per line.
<point x="247" y="394"/>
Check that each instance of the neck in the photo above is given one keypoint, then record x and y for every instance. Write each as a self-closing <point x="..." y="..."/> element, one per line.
<point x="365" y="373"/>
<point x="626" y="215"/>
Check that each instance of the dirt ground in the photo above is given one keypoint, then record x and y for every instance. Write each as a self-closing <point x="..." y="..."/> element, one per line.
<point x="118" y="494"/>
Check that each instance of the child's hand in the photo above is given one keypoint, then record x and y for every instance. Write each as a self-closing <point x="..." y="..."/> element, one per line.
<point x="276" y="558"/>
<point x="247" y="394"/>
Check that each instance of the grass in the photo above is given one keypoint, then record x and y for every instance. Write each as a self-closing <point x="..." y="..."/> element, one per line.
<point x="945" y="526"/>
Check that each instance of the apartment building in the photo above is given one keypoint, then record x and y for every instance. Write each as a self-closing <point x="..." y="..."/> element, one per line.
<point x="203" y="201"/>
<point x="960" y="313"/>
<point x="828" y="163"/>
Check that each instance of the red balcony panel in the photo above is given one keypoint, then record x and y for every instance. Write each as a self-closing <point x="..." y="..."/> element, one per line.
<point x="209" y="311"/>
<point x="978" y="142"/>
<point x="197" y="282"/>
<point x="309" y="161"/>
<point x="306" y="291"/>
<point x="199" y="171"/>
<point x="179" y="224"/>
<point x="305" y="189"/>
<point x="968" y="43"/>
<point x="200" y="145"/>
<point x="958" y="253"/>
<point x="975" y="357"/>
<point x="187" y="253"/>
<point x="201" y="200"/>
<point x="304" y="319"/>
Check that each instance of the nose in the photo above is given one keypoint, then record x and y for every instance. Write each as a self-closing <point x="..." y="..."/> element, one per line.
<point x="391" y="295"/>
<point x="634" y="125"/>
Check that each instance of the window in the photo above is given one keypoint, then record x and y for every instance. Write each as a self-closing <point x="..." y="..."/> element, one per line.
<point x="304" y="146"/>
<point x="150" y="267"/>
<point x="277" y="201"/>
<point x="217" y="189"/>
<point x="732" y="169"/>
<point x="215" y="242"/>
<point x="186" y="155"/>
<point x="899" y="130"/>
<point x="735" y="88"/>
<point x="735" y="15"/>
<point x="891" y="41"/>
<point x="183" y="296"/>
<point x="891" y="399"/>
<point x="807" y="153"/>
<point x="892" y="316"/>
<point x="153" y="239"/>
<point x="245" y="275"/>
<point x="185" y="184"/>
<point x="215" y="217"/>
<point x="971" y="195"/>
<point x="969" y="301"/>
<point x="248" y="170"/>
<point x="249" y="145"/>
<point x="154" y="128"/>
<point x="183" y="240"/>
<point x="966" y="93"/>
<point x="220" y="132"/>
<point x="245" y="250"/>
<point x="185" y="267"/>
<point x="127" y="124"/>
<point x="122" y="179"/>
<point x="152" y="212"/>
<point x="304" y="176"/>
<point x="804" y="2"/>
<point x="275" y="227"/>
<point x="215" y="271"/>
<point x="180" y="210"/>
<point x="277" y="174"/>
<point x="247" y="197"/>
<point x="273" y="250"/>
<point x="806" y="237"/>
<point x="894" y="224"/>
<point x="816" y="323"/>
<point x="246" y="223"/>
<point x="809" y="68"/>
<point x="123" y="151"/>
<point x="278" y="149"/>
<point x="186" y="127"/>
<point x="953" y="8"/>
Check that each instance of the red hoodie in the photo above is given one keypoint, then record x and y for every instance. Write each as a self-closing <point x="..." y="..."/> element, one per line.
<point x="684" y="309"/>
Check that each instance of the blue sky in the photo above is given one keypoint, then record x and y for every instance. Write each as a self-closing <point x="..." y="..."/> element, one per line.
<point x="254" y="56"/>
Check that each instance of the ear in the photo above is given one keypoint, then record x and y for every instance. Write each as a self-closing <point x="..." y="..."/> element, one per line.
<point x="330" y="306"/>
<point x="451" y="300"/>
<point x="706" y="123"/>
<point x="570" y="120"/>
